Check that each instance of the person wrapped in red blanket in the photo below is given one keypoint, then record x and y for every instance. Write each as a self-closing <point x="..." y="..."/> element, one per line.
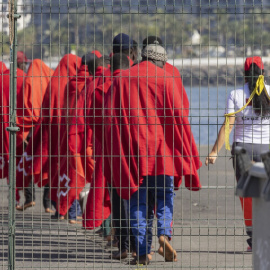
<point x="28" y="113"/>
<point x="98" y="207"/>
<point x="97" y="211"/>
<point x="67" y="185"/>
<point x="4" y="105"/>
<point x="41" y="157"/>
<point x="150" y="146"/>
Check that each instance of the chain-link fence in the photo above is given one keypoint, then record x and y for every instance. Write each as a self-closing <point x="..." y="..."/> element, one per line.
<point x="109" y="112"/>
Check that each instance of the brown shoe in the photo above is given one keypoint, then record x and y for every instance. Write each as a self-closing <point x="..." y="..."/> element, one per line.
<point x="166" y="250"/>
<point x="120" y="255"/>
<point x="25" y="206"/>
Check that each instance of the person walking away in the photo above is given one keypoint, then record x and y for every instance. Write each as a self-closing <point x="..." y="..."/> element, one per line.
<point x="153" y="149"/>
<point x="248" y="110"/>
<point x="28" y="114"/>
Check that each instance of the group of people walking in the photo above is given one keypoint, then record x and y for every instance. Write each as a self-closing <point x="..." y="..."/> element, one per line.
<point x="120" y="125"/>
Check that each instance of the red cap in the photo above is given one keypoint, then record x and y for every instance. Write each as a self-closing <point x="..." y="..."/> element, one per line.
<point x="256" y="60"/>
<point x="21" y="58"/>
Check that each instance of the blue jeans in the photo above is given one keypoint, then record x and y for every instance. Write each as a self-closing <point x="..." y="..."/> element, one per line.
<point x="74" y="210"/>
<point x="154" y="190"/>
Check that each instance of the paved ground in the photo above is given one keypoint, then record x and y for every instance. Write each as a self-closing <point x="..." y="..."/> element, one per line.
<point x="208" y="232"/>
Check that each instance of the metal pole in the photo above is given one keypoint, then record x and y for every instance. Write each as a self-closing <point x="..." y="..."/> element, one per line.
<point x="13" y="16"/>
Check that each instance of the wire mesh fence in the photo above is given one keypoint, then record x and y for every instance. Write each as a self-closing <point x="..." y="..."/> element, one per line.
<point x="117" y="104"/>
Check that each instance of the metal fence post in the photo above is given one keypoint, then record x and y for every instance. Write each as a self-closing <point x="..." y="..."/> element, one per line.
<point x="13" y="16"/>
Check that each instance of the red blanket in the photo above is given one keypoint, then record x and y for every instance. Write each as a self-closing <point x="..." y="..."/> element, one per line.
<point x="3" y="67"/>
<point x="146" y="131"/>
<point x="67" y="186"/>
<point x="36" y="81"/>
<point x="4" y="105"/>
<point x="78" y="121"/>
<point x="173" y="71"/>
<point x="45" y="142"/>
<point x="98" y="206"/>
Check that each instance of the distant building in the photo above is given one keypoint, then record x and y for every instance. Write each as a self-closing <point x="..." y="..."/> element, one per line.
<point x="23" y="9"/>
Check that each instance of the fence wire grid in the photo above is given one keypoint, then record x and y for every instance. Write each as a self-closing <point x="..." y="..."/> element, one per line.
<point x="109" y="112"/>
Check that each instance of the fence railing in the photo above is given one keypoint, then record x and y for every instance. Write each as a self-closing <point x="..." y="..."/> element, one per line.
<point x="99" y="129"/>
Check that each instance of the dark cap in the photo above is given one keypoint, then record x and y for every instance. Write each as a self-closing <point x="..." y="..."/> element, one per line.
<point x="21" y="58"/>
<point x="87" y="58"/>
<point x="122" y="42"/>
<point x="152" y="40"/>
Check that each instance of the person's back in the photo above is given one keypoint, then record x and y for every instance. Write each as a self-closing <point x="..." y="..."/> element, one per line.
<point x="171" y="71"/>
<point x="249" y="126"/>
<point x="31" y="96"/>
<point x="148" y="140"/>
<point x="4" y="105"/>
<point x="45" y="141"/>
<point x="98" y="202"/>
<point x="248" y="110"/>
<point x="154" y="138"/>
<point x="144" y="91"/>
<point x="70" y="165"/>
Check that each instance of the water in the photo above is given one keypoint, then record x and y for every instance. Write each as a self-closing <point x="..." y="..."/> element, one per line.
<point x="207" y="108"/>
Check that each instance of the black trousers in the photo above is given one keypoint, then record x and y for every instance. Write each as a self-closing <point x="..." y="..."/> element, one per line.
<point x="120" y="221"/>
<point x="30" y="196"/>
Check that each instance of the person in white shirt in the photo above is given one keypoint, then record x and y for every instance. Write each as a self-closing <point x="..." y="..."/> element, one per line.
<point x="252" y="126"/>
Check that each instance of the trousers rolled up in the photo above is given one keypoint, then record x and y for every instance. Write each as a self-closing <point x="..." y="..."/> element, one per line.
<point x="142" y="205"/>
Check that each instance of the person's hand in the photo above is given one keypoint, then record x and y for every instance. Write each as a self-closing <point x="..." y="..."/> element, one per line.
<point x="211" y="159"/>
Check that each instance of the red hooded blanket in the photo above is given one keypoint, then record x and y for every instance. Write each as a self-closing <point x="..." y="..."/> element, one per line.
<point x="36" y="82"/>
<point x="67" y="186"/>
<point x="4" y="105"/>
<point x="146" y="132"/>
<point x="45" y="142"/>
<point x="98" y="206"/>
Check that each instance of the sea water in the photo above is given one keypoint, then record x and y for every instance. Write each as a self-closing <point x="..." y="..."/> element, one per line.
<point x="207" y="107"/>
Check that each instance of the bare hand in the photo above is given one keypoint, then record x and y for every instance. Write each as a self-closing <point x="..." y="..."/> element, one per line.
<point x="211" y="159"/>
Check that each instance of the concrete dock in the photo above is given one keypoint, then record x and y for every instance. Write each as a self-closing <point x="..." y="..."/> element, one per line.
<point x="208" y="231"/>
